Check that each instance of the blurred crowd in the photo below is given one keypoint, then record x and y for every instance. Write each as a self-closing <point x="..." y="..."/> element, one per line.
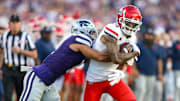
<point x="51" y="20"/>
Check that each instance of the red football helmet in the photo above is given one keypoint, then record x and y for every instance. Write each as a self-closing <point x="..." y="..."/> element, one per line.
<point x="129" y="19"/>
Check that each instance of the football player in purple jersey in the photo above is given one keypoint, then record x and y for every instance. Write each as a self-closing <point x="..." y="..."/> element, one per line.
<point x="38" y="82"/>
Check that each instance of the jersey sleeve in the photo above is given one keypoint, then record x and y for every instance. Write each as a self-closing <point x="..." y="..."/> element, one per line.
<point x="84" y="39"/>
<point x="111" y="30"/>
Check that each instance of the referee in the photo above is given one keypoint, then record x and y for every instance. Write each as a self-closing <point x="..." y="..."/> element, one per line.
<point x="15" y="47"/>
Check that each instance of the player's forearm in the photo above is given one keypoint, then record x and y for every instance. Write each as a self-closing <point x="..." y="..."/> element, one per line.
<point x="32" y="54"/>
<point x="113" y="50"/>
<point x="92" y="54"/>
<point x="126" y="56"/>
<point x="112" y="47"/>
<point x="116" y="56"/>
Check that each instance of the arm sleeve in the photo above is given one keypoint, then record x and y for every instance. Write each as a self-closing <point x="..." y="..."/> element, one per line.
<point x="29" y="43"/>
<point x="84" y="39"/>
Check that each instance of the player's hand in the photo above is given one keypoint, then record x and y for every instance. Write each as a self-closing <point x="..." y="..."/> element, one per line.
<point x="16" y="50"/>
<point x="115" y="77"/>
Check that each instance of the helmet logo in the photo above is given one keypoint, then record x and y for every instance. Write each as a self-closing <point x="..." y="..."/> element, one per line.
<point x="85" y="23"/>
<point x="84" y="26"/>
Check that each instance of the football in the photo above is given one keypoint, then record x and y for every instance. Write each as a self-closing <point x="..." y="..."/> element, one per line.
<point x="126" y="48"/>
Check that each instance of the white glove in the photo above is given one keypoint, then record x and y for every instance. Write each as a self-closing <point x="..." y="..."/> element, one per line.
<point x="115" y="77"/>
<point x="136" y="58"/>
<point x="130" y="62"/>
<point x="135" y="48"/>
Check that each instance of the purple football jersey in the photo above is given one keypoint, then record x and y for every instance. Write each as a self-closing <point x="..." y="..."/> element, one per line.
<point x="57" y="63"/>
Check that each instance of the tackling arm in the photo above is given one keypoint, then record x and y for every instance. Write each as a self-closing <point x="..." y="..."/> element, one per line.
<point x="90" y="53"/>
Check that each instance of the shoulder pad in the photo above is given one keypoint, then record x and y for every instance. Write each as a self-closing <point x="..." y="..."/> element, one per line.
<point x="112" y="30"/>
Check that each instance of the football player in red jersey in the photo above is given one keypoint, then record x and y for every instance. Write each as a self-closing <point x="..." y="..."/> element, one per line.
<point x="104" y="77"/>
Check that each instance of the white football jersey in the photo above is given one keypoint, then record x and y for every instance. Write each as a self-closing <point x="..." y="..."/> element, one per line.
<point x="98" y="71"/>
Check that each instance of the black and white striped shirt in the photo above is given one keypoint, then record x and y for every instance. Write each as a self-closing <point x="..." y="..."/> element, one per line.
<point x="21" y="40"/>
